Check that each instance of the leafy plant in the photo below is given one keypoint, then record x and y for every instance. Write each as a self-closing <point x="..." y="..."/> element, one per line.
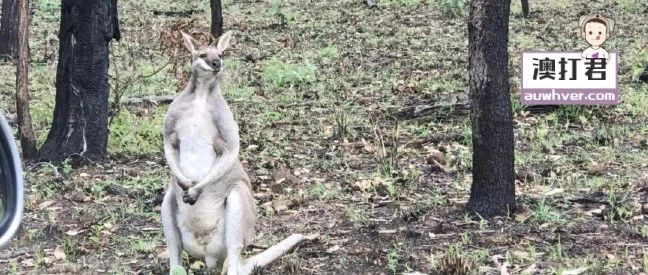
<point x="133" y="134"/>
<point x="356" y="215"/>
<point x="178" y="270"/>
<point x="323" y="192"/>
<point x="543" y="212"/>
<point x="276" y="10"/>
<point x="277" y="74"/>
<point x="329" y="54"/>
<point x="454" y="262"/>
<point x="639" y="65"/>
<point x="620" y="206"/>
<point x="557" y="252"/>
<point x="629" y="6"/>
<point x="452" y="8"/>
<point x="392" y="257"/>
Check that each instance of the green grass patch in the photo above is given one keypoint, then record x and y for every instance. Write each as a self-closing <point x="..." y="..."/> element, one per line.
<point x="277" y="74"/>
<point x="136" y="134"/>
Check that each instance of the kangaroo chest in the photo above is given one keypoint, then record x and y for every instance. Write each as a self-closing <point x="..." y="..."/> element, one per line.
<point x="197" y="131"/>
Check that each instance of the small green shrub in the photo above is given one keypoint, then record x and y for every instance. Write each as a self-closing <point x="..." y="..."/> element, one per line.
<point x="277" y="74"/>
<point x="629" y="6"/>
<point x="137" y="135"/>
<point x="452" y="8"/>
<point x="329" y="54"/>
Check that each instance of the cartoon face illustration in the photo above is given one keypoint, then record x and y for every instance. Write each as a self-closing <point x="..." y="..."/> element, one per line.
<point x="595" y="32"/>
<point x="596" y="29"/>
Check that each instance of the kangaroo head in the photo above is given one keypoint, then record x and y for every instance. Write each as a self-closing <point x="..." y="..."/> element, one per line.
<point x="207" y="61"/>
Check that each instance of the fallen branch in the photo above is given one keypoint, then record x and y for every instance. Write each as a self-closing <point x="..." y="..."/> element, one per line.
<point x="442" y="137"/>
<point x="6" y="256"/>
<point x="55" y="170"/>
<point x="185" y="13"/>
<point x="441" y="166"/>
<point x="434" y="138"/>
<point x="441" y="110"/>
<point x="541" y="109"/>
<point x="152" y="100"/>
<point x="120" y="87"/>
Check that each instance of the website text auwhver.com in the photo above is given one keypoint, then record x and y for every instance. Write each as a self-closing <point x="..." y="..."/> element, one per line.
<point x="570" y="96"/>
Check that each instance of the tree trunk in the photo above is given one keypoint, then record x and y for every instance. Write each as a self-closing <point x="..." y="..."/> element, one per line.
<point x="9" y="27"/>
<point x="525" y="8"/>
<point x="27" y="140"/>
<point x="493" y="188"/>
<point x="216" y="18"/>
<point x="80" y="124"/>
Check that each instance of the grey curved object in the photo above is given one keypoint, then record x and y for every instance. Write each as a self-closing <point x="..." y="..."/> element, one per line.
<point x="12" y="184"/>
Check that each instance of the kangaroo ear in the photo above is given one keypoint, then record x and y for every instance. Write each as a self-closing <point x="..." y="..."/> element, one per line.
<point x="190" y="43"/>
<point x="213" y="40"/>
<point x="224" y="41"/>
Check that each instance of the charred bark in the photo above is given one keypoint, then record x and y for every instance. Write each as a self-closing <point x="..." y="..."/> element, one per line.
<point x="216" y="18"/>
<point x="493" y="188"/>
<point x="525" y="8"/>
<point x="80" y="123"/>
<point x="9" y="27"/>
<point x="27" y="139"/>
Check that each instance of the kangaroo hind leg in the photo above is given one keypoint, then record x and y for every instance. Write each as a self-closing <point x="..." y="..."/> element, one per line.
<point x="240" y="219"/>
<point x="171" y="231"/>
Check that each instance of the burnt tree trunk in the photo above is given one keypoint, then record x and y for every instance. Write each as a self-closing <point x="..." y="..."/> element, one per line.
<point x="525" y="8"/>
<point x="27" y="140"/>
<point x="216" y="18"/>
<point x="80" y="124"/>
<point x="493" y="188"/>
<point x="9" y="27"/>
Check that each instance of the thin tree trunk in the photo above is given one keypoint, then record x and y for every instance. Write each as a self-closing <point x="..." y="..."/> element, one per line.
<point x="216" y="18"/>
<point x="9" y="27"/>
<point x="27" y="140"/>
<point x="80" y="123"/>
<point x="525" y="8"/>
<point x="493" y="190"/>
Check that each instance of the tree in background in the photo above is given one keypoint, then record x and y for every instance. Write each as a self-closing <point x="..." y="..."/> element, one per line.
<point x="27" y="140"/>
<point x="525" y="8"/>
<point x="493" y="188"/>
<point x="9" y="27"/>
<point x="216" y="18"/>
<point x="80" y="123"/>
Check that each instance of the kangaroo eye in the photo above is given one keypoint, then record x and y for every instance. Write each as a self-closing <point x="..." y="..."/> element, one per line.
<point x="202" y="55"/>
<point x="590" y="32"/>
<point x="600" y="33"/>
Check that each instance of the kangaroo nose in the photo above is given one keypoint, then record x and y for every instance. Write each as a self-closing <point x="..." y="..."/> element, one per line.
<point x="216" y="63"/>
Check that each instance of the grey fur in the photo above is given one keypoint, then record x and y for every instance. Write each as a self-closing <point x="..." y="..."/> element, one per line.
<point x="208" y="209"/>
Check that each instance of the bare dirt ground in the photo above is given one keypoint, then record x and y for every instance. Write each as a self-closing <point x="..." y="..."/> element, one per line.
<point x="353" y="125"/>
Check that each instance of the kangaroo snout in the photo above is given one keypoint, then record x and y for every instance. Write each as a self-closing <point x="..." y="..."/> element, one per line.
<point x="216" y="65"/>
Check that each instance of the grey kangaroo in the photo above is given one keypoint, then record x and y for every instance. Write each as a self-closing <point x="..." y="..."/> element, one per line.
<point x="208" y="209"/>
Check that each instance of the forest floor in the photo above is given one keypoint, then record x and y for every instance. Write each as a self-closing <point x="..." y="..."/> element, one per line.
<point x="354" y="125"/>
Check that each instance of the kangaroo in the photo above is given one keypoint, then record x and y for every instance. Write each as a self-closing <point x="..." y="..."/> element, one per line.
<point x="208" y="209"/>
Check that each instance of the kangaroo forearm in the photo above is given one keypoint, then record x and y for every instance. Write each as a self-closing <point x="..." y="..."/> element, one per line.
<point x="170" y="154"/>
<point x="219" y="168"/>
